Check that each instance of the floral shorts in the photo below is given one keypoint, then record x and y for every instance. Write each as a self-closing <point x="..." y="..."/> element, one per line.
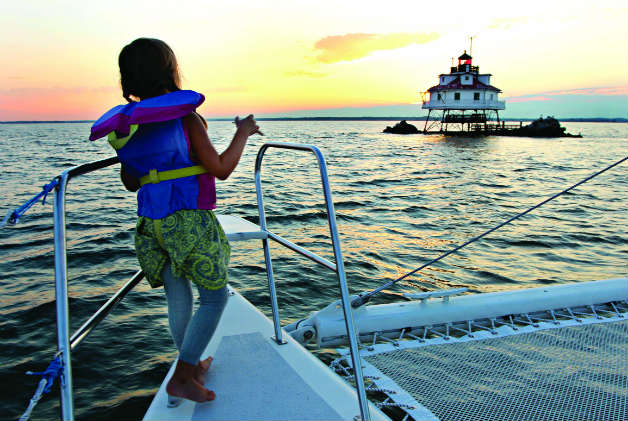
<point x="192" y="240"/>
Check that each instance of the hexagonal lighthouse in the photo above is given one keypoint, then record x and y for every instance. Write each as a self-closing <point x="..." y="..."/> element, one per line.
<point x="464" y="96"/>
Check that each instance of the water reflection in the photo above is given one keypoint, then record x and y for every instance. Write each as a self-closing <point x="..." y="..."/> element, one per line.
<point x="401" y="201"/>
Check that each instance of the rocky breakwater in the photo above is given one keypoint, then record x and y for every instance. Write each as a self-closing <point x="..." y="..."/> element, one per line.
<point x="403" y="127"/>
<point x="543" y="127"/>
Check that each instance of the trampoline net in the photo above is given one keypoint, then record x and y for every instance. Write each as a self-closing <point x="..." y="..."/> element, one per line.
<point x="570" y="373"/>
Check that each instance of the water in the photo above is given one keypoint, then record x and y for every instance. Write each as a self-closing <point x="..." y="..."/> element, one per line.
<point x="400" y="201"/>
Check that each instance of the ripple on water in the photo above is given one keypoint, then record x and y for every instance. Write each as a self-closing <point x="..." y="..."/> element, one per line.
<point x="401" y="201"/>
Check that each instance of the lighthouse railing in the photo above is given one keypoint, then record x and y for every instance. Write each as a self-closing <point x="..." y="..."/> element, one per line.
<point x="452" y="104"/>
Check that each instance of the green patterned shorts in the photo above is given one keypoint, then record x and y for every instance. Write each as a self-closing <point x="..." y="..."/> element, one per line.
<point x="192" y="240"/>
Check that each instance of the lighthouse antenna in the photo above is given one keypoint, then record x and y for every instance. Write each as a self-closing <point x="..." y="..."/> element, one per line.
<point x="471" y="47"/>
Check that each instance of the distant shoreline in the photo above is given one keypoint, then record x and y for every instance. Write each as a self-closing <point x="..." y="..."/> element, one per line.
<point x="564" y="120"/>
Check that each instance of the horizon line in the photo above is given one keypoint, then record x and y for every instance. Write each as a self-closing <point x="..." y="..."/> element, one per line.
<point x="339" y="118"/>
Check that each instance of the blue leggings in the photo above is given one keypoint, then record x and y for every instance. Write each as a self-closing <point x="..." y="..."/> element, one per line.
<point x="191" y="334"/>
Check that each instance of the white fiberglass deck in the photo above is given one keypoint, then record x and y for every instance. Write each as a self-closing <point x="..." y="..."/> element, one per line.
<point x="256" y="379"/>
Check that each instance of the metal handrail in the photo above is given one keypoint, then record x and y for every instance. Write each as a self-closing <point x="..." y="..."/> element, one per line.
<point x="61" y="293"/>
<point x="312" y="256"/>
<point x="65" y="343"/>
<point x="339" y="267"/>
<point x="87" y="327"/>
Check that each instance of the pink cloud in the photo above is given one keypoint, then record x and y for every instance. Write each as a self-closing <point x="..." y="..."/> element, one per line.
<point x="57" y="103"/>
<point x="606" y="90"/>
<point x="527" y="98"/>
<point x="550" y="95"/>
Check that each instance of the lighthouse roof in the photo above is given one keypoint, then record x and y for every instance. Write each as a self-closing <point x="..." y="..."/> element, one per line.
<point x="465" y="56"/>
<point x="455" y="84"/>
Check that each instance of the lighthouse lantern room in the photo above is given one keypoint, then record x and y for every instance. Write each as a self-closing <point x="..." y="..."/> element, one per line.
<point x="463" y="97"/>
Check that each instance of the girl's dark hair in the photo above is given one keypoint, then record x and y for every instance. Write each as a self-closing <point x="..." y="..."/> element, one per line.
<point x="148" y="68"/>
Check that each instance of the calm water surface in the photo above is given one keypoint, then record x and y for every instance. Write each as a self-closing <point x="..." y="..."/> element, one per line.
<point x="400" y="200"/>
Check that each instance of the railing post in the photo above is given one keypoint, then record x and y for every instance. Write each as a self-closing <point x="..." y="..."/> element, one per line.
<point x="61" y="292"/>
<point x="340" y="270"/>
<point x="61" y="285"/>
<point x="344" y="290"/>
<point x="267" y="259"/>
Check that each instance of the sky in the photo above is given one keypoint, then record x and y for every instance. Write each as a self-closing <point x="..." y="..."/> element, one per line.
<point x="324" y="58"/>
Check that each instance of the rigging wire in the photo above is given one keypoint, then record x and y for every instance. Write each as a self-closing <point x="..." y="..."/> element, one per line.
<point x="365" y="297"/>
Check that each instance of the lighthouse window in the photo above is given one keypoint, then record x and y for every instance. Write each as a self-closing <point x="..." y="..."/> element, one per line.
<point x="491" y="96"/>
<point x="466" y="78"/>
<point x="476" y="96"/>
<point x="457" y="96"/>
<point x="439" y="97"/>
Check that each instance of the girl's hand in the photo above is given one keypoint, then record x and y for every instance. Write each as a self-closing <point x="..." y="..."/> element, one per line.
<point x="248" y="125"/>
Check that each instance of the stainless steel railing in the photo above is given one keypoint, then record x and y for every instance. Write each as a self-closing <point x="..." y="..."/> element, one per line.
<point x="338" y="267"/>
<point x="65" y="343"/>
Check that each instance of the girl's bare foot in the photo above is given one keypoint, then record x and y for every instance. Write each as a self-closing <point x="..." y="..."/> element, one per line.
<point x="191" y="390"/>
<point x="204" y="364"/>
<point x="184" y="385"/>
<point x="202" y="368"/>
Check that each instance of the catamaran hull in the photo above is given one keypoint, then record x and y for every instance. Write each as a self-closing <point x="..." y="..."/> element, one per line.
<point x="327" y="327"/>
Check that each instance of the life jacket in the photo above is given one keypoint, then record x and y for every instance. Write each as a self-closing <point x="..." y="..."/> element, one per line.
<point x="153" y="145"/>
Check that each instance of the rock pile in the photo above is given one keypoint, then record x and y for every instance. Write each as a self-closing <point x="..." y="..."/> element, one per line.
<point x="402" y="127"/>
<point x="544" y="127"/>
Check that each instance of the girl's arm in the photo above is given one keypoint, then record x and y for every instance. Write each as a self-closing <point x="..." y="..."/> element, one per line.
<point x="219" y="165"/>
<point x="130" y="182"/>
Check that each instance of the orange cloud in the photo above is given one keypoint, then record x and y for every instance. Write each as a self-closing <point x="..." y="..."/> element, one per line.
<point x="349" y="47"/>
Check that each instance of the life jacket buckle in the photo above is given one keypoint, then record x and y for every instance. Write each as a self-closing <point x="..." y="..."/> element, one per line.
<point x="153" y="176"/>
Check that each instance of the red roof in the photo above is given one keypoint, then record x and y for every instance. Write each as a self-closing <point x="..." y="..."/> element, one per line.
<point x="455" y="84"/>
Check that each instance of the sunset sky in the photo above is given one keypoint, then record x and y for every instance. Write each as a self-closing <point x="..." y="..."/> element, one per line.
<point x="296" y="58"/>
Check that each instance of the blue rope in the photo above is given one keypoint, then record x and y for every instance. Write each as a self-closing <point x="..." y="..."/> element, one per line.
<point x="363" y="298"/>
<point x="45" y="384"/>
<point x="50" y="374"/>
<point x="12" y="217"/>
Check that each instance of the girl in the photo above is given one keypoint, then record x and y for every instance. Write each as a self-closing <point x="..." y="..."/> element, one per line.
<point x="165" y="153"/>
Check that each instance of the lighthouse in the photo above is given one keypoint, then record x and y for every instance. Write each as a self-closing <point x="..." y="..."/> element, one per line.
<point x="463" y="98"/>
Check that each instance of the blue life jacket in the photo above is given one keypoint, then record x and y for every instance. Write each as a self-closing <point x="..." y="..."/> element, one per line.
<point x="150" y="140"/>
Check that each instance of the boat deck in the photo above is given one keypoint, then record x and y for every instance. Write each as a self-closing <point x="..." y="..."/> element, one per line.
<point x="253" y="377"/>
